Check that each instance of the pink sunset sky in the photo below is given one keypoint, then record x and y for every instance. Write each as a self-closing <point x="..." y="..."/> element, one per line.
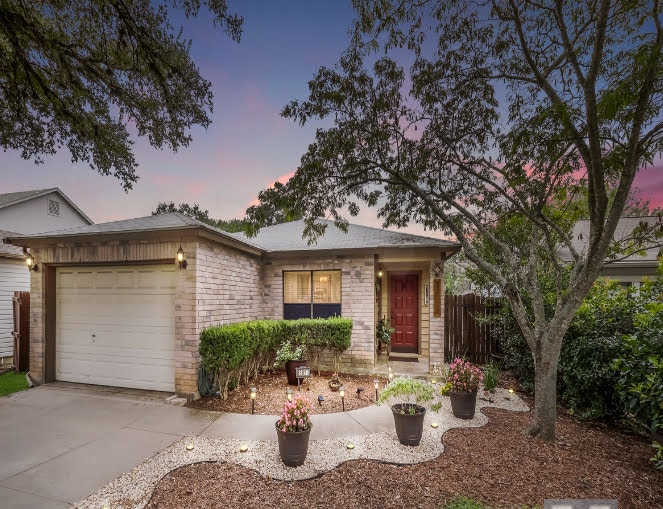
<point x="248" y="146"/>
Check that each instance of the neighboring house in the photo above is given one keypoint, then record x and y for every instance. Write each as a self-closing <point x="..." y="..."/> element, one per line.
<point x="14" y="277"/>
<point x="27" y="212"/>
<point x="110" y="305"/>
<point x="630" y="270"/>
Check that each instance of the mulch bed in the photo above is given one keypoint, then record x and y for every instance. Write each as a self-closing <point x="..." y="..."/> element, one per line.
<point x="496" y="464"/>
<point x="271" y="394"/>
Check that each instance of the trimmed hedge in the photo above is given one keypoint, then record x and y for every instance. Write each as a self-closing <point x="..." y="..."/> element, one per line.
<point x="239" y="350"/>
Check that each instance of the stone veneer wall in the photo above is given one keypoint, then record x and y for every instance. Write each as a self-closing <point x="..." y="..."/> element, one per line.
<point x="357" y="301"/>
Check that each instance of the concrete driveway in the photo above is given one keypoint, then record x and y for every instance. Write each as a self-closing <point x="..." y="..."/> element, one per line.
<point x="60" y="443"/>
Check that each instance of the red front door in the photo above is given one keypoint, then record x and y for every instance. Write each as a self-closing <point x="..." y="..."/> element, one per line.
<point x="404" y="302"/>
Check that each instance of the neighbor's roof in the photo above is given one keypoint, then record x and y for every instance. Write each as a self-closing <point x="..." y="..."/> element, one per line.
<point x="9" y="199"/>
<point x="156" y="223"/>
<point x="624" y="230"/>
<point x="288" y="237"/>
<point x="280" y="238"/>
<point x="9" y="250"/>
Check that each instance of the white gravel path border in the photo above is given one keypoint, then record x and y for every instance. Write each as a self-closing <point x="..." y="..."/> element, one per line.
<point x="133" y="489"/>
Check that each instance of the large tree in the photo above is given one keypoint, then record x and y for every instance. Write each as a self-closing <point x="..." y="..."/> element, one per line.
<point x="502" y="108"/>
<point x="76" y="73"/>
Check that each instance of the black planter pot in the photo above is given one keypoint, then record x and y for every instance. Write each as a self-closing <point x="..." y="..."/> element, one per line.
<point x="409" y="426"/>
<point x="463" y="404"/>
<point x="293" y="446"/>
<point x="290" y="371"/>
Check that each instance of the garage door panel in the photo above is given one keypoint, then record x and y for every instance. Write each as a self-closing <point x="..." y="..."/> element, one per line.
<point x="116" y="326"/>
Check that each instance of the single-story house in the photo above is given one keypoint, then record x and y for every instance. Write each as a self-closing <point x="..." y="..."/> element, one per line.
<point x="111" y="304"/>
<point x="630" y="270"/>
<point x="27" y="212"/>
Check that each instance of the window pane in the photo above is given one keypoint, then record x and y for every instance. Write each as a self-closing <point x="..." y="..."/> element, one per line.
<point x="297" y="287"/>
<point x="327" y="286"/>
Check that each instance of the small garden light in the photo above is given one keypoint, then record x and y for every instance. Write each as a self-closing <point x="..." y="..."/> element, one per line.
<point x="350" y="446"/>
<point x="390" y="375"/>
<point x="433" y="381"/>
<point x="341" y="392"/>
<point x="321" y="398"/>
<point x="189" y="447"/>
<point x="243" y="448"/>
<point x="433" y="425"/>
<point x="359" y="391"/>
<point x="376" y="384"/>
<point x="288" y="394"/>
<point x="254" y="394"/>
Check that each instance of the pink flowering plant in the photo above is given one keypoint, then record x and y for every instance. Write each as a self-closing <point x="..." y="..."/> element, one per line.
<point x="464" y="377"/>
<point x="296" y="415"/>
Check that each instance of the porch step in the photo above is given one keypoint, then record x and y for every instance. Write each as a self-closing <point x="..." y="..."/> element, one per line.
<point x="403" y="357"/>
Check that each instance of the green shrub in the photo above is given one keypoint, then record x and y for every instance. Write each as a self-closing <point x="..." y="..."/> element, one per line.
<point x="640" y="368"/>
<point x="239" y="350"/>
<point x="491" y="376"/>
<point x="407" y="391"/>
<point x="593" y="341"/>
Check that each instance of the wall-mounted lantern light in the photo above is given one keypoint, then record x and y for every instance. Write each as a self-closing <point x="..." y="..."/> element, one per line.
<point x="181" y="261"/>
<point x="380" y="273"/>
<point x="30" y="261"/>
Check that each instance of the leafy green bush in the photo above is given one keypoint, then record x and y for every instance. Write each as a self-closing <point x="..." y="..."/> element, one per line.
<point x="407" y="391"/>
<point x="585" y="380"/>
<point x="238" y="350"/>
<point x="640" y="368"/>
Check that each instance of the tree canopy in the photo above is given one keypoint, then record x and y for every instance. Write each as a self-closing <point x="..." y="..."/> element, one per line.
<point x="88" y="74"/>
<point x="194" y="211"/>
<point x="505" y="114"/>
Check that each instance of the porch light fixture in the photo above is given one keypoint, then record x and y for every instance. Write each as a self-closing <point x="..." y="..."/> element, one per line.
<point x="30" y="261"/>
<point x="376" y="384"/>
<point x="181" y="261"/>
<point x="254" y="393"/>
<point x="288" y="394"/>
<point x="380" y="272"/>
<point x="341" y="392"/>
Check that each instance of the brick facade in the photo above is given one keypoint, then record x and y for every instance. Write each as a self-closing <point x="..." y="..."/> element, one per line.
<point x="223" y="284"/>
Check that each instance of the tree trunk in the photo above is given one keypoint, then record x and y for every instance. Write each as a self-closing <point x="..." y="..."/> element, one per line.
<point x="545" y="396"/>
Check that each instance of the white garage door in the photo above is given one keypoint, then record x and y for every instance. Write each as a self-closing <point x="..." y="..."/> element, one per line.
<point x="116" y="326"/>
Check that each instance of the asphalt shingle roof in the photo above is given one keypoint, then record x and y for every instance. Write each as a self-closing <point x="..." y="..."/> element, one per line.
<point x="8" y="199"/>
<point x="625" y="227"/>
<point x="9" y="250"/>
<point x="279" y="238"/>
<point x="288" y="237"/>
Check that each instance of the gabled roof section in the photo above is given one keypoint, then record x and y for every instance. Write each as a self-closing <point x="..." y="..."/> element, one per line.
<point x="624" y="231"/>
<point x="9" y="250"/>
<point x="9" y="199"/>
<point x="288" y="237"/>
<point x="157" y="223"/>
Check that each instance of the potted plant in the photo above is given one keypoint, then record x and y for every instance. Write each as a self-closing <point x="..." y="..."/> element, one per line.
<point x="463" y="382"/>
<point x="406" y="395"/>
<point x="292" y="357"/>
<point x="293" y="430"/>
<point x="383" y="332"/>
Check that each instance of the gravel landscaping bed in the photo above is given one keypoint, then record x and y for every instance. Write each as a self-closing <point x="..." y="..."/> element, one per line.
<point x="134" y="489"/>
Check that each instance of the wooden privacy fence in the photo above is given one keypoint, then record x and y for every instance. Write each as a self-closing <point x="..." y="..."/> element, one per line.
<point x="466" y="331"/>
<point x="21" y="332"/>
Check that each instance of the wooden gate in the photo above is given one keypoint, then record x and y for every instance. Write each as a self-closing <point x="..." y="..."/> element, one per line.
<point x="466" y="333"/>
<point x="21" y="332"/>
